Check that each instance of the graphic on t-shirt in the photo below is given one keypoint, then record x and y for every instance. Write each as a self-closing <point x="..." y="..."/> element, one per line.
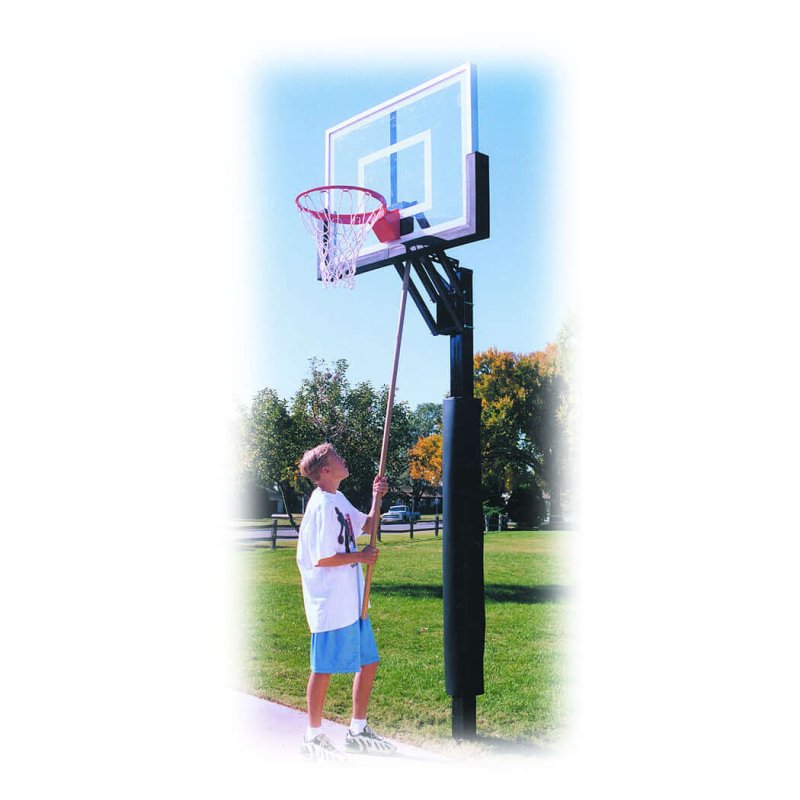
<point x="346" y="536"/>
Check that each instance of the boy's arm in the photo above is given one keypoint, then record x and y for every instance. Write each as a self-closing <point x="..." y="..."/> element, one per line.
<point x="369" y="555"/>
<point x="379" y="488"/>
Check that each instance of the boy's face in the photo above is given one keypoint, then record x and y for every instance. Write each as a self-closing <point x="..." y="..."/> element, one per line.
<point x="336" y="467"/>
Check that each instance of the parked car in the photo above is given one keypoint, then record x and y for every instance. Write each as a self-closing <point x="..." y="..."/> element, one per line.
<point x="400" y="514"/>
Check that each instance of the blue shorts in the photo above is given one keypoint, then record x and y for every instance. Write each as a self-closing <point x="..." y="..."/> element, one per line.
<point x="345" y="649"/>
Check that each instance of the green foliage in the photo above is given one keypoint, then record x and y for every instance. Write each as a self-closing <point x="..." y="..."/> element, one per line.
<point x="506" y="383"/>
<point x="426" y="419"/>
<point x="526" y="506"/>
<point x="527" y="431"/>
<point x="326" y="408"/>
<point x="527" y="428"/>
<point x="271" y="432"/>
<point x="271" y="436"/>
<point x="318" y="405"/>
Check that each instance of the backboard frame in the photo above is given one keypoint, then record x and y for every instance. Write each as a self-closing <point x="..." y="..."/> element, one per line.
<point x="470" y="222"/>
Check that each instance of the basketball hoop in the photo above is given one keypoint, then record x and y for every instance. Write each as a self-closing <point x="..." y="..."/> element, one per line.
<point x="339" y="218"/>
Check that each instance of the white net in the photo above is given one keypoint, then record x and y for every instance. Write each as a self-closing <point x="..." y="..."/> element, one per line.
<point x="339" y="218"/>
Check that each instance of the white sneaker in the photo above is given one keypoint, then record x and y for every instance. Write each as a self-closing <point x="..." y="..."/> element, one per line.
<point x="321" y="748"/>
<point x="368" y="742"/>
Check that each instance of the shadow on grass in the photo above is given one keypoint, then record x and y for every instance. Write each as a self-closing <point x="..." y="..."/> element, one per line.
<point x="494" y="592"/>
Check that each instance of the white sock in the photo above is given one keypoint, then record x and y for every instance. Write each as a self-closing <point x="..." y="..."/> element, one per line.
<point x="312" y="732"/>
<point x="357" y="726"/>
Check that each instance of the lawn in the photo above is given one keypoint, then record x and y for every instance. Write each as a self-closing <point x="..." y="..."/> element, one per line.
<point x="527" y="637"/>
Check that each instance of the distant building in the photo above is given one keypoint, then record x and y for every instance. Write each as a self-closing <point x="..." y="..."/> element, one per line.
<point x="429" y="503"/>
<point x="256" y="502"/>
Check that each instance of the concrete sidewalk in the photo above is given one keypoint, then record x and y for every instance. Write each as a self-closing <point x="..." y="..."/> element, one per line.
<point x="279" y="730"/>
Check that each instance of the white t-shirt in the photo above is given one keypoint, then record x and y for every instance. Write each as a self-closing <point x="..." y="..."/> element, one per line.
<point x="331" y="595"/>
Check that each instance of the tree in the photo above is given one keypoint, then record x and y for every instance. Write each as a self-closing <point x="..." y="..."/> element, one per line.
<point x="427" y="419"/>
<point x="320" y="402"/>
<point x="505" y="382"/>
<point x="425" y="460"/>
<point x="545" y="430"/>
<point x="422" y="474"/>
<point x="272" y="445"/>
<point x="567" y="411"/>
<point x="328" y="409"/>
<point x="526" y="414"/>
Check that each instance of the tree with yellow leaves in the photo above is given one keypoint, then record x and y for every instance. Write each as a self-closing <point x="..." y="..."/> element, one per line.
<point x="425" y="460"/>
<point x="526" y="425"/>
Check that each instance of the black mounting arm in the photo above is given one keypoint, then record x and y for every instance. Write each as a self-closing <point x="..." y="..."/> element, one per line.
<point x="445" y="283"/>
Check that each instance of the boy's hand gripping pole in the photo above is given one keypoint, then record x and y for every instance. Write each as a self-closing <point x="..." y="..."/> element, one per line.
<point x="376" y="501"/>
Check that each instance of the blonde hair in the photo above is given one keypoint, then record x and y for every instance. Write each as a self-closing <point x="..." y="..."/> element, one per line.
<point x="314" y="460"/>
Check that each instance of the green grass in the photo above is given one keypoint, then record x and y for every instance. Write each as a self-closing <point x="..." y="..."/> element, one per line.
<point x="527" y="637"/>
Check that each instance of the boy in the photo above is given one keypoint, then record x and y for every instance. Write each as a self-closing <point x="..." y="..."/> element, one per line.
<point x="333" y="588"/>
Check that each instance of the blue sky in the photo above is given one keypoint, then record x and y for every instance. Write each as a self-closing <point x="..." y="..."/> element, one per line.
<point x="519" y="287"/>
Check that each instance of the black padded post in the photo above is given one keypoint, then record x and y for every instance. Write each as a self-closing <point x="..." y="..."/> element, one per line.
<point x="462" y="560"/>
